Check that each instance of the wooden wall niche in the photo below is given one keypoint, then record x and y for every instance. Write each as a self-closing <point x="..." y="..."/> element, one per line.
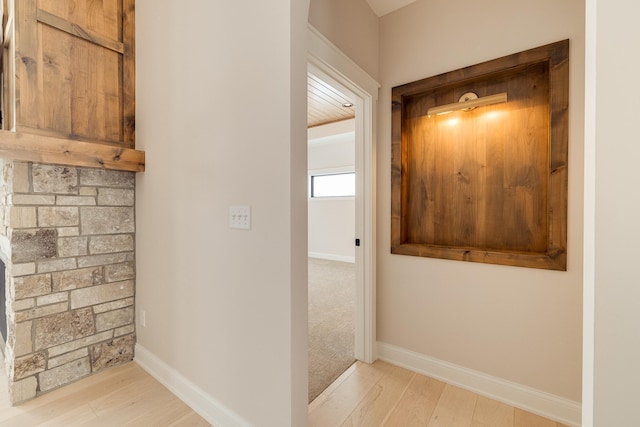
<point x="487" y="185"/>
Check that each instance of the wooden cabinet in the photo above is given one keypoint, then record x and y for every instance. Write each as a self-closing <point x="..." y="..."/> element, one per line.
<point x="69" y="75"/>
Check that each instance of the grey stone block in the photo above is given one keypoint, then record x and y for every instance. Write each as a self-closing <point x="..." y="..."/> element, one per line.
<point x="23" y="344"/>
<point x="107" y="220"/>
<point x="68" y="357"/>
<point x="116" y="197"/>
<point x="104" y="259"/>
<point x="64" y="327"/>
<point x="129" y="329"/>
<point x="33" y="245"/>
<point x="22" y="390"/>
<point x="72" y="246"/>
<point x="43" y="311"/>
<point x="54" y="179"/>
<point x="100" y="294"/>
<point x="88" y="191"/>
<point x="106" y="178"/>
<point x="111" y="244"/>
<point x="31" y="199"/>
<point x="52" y="298"/>
<point x="74" y="279"/>
<point x="31" y="286"/>
<point x="23" y="304"/>
<point x="83" y="342"/>
<point x="21" y="269"/>
<point x="64" y="374"/>
<point x="56" y="265"/>
<point x="117" y="272"/>
<point x="28" y="365"/>
<point x="113" y="305"/>
<point x="22" y="217"/>
<point x="75" y="201"/>
<point x="68" y="231"/>
<point x="114" y="319"/>
<point x="58" y="216"/>
<point x="112" y="353"/>
<point x="21" y="177"/>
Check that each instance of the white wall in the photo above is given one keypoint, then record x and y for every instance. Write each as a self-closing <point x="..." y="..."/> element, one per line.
<point x="225" y="309"/>
<point x="332" y="229"/>
<point x="350" y="25"/>
<point x="207" y="323"/>
<point x="614" y="183"/>
<point x="331" y="149"/>
<point x="519" y="324"/>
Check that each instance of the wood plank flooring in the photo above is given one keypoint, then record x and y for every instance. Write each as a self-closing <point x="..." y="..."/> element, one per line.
<point x="385" y="395"/>
<point x="365" y="395"/>
<point x="121" y="396"/>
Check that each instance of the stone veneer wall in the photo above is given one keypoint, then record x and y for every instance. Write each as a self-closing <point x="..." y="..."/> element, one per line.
<point x="67" y="237"/>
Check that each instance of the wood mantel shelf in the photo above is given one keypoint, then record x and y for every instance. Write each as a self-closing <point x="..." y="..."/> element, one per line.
<point x="45" y="149"/>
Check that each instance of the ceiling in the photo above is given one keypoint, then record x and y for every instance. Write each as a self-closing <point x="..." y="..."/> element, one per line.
<point x="382" y="7"/>
<point x="325" y="103"/>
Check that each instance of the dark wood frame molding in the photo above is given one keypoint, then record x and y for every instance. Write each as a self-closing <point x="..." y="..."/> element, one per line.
<point x="554" y="257"/>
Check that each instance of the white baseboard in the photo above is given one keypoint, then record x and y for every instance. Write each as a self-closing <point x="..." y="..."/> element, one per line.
<point x="206" y="406"/>
<point x="332" y="257"/>
<point x="538" y="402"/>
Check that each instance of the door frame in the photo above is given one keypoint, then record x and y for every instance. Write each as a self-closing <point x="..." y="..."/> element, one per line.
<point x="329" y="63"/>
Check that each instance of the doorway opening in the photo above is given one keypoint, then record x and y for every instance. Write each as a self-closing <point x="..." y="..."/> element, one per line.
<point x="332" y="196"/>
<point x="329" y="64"/>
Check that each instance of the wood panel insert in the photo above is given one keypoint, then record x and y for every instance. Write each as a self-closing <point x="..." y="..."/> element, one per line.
<point x="490" y="184"/>
<point x="69" y="76"/>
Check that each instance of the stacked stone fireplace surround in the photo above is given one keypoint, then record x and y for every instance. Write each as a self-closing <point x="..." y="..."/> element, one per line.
<point x="67" y="238"/>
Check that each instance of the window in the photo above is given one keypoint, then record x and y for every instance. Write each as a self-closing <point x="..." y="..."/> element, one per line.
<point x="333" y="185"/>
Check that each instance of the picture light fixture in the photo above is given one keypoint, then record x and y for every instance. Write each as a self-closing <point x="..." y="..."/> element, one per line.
<point x="468" y="102"/>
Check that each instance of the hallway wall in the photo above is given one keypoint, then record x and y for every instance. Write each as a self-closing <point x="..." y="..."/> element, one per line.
<point x="225" y="308"/>
<point x="519" y="324"/>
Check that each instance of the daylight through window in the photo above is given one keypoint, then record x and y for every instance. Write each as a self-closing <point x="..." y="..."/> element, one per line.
<point x="333" y="185"/>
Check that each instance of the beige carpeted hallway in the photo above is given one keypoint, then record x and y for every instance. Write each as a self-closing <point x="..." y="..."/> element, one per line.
<point x="331" y="321"/>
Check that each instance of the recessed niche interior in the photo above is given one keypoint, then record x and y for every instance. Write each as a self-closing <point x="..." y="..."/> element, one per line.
<point x="487" y="184"/>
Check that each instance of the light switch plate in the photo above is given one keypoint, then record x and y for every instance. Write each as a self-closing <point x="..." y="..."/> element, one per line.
<point x="240" y="217"/>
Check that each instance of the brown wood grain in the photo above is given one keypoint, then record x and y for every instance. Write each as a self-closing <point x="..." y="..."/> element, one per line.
<point x="417" y="404"/>
<point x="28" y="74"/>
<point x="325" y="103"/>
<point x="122" y="395"/>
<point x="43" y="149"/>
<point x="8" y="64"/>
<point x="57" y="79"/>
<point x="75" y="74"/>
<point x="362" y="396"/>
<point x="489" y="412"/>
<point x="381" y="398"/>
<point x="127" y="395"/>
<point x="487" y="185"/>
<point x="129" y="73"/>
<point x="104" y="18"/>
<point x="455" y="408"/>
<point x="79" y="31"/>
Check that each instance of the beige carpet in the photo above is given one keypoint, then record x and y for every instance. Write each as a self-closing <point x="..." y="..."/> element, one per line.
<point x="331" y="322"/>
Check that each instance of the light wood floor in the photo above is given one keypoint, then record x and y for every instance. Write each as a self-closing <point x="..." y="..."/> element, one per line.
<point x="122" y="396"/>
<point x="365" y="395"/>
<point x="385" y="395"/>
